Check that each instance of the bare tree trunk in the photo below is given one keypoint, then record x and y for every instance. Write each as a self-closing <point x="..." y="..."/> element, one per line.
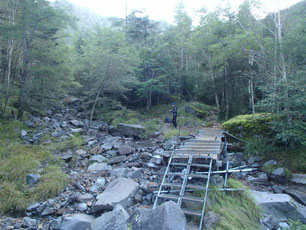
<point x="214" y="87"/>
<point x="226" y="95"/>
<point x="24" y="77"/>
<point x="98" y="94"/>
<point x="251" y="93"/>
<point x="181" y="71"/>
<point x="281" y="54"/>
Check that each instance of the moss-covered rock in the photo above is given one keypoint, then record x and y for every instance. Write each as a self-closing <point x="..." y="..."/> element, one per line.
<point x="250" y="124"/>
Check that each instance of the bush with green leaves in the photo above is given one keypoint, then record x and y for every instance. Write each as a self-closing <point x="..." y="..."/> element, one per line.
<point x="250" y="124"/>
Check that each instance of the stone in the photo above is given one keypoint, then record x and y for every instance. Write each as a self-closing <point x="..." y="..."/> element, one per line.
<point x="100" y="182"/>
<point x="33" y="207"/>
<point x="114" y="220"/>
<point x="99" y="158"/>
<point x="271" y="222"/>
<point x="119" y="191"/>
<point x="29" y="222"/>
<point x="156" y="159"/>
<point x="91" y="143"/>
<point x="83" y="198"/>
<point x="116" y="160"/>
<point x="284" y="225"/>
<point x="135" y="174"/>
<point x="168" y="216"/>
<point x="277" y="189"/>
<point x="76" y="123"/>
<point x="145" y="155"/>
<point x="270" y="162"/>
<point x="67" y="156"/>
<point x="278" y="175"/>
<point x="107" y="146"/>
<point x="299" y="179"/>
<point x="78" y="130"/>
<point x="56" y="223"/>
<point x="23" y="133"/>
<point x="29" y="124"/>
<point x="98" y="167"/>
<point x="126" y="149"/>
<point x="120" y="172"/>
<point x="32" y="179"/>
<point x="281" y="206"/>
<point x="47" y="211"/>
<point x="77" y="222"/>
<point x="130" y="130"/>
<point x="82" y="207"/>
<point x="279" y="172"/>
<point x="211" y="219"/>
<point x="299" y="196"/>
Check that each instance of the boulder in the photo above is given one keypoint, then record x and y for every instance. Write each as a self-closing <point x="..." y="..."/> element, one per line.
<point x="77" y="222"/>
<point x="32" y="179"/>
<point x="76" y="123"/>
<point x="279" y="175"/>
<point x="23" y="133"/>
<point x="82" y="198"/>
<point x="120" y="172"/>
<point x="98" y="167"/>
<point x="270" y="162"/>
<point x="211" y="219"/>
<point x="168" y="216"/>
<point x="126" y="149"/>
<point x="114" y="220"/>
<point x="281" y="206"/>
<point x="130" y="130"/>
<point x="119" y="191"/>
<point x="299" y="179"/>
<point x="100" y="182"/>
<point x="299" y="196"/>
<point x="271" y="222"/>
<point x="196" y="112"/>
<point x="116" y="160"/>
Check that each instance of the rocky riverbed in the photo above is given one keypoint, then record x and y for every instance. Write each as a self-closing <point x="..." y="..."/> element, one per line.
<point x="114" y="174"/>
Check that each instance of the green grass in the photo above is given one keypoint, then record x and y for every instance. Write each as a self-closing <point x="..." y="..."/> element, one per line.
<point x="168" y="134"/>
<point x="74" y="142"/>
<point x="237" y="209"/>
<point x="17" y="160"/>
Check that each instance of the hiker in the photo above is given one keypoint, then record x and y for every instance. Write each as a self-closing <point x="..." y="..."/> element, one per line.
<point x="174" y="113"/>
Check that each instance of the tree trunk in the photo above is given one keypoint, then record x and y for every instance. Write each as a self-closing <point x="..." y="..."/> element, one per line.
<point x="214" y="87"/>
<point x="23" y="77"/>
<point x="98" y="94"/>
<point x="251" y="93"/>
<point x="281" y="54"/>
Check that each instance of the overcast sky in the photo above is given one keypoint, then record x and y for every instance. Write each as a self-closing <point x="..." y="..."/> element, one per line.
<point x="164" y="9"/>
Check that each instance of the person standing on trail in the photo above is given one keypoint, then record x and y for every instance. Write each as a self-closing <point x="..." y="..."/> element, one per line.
<point x="174" y="113"/>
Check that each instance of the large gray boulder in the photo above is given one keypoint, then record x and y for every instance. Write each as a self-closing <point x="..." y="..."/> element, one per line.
<point x="299" y="179"/>
<point x="77" y="222"/>
<point x="119" y="191"/>
<point x="114" y="220"/>
<point x="281" y="206"/>
<point x="130" y="130"/>
<point x="168" y="216"/>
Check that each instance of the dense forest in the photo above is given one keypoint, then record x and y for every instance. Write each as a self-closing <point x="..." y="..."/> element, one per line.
<point x="230" y="60"/>
<point x="71" y="79"/>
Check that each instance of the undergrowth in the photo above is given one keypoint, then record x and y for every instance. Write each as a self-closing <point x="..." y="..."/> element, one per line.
<point x="17" y="160"/>
<point x="237" y="209"/>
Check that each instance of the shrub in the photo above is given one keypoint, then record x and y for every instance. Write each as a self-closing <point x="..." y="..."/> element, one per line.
<point x="250" y="124"/>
